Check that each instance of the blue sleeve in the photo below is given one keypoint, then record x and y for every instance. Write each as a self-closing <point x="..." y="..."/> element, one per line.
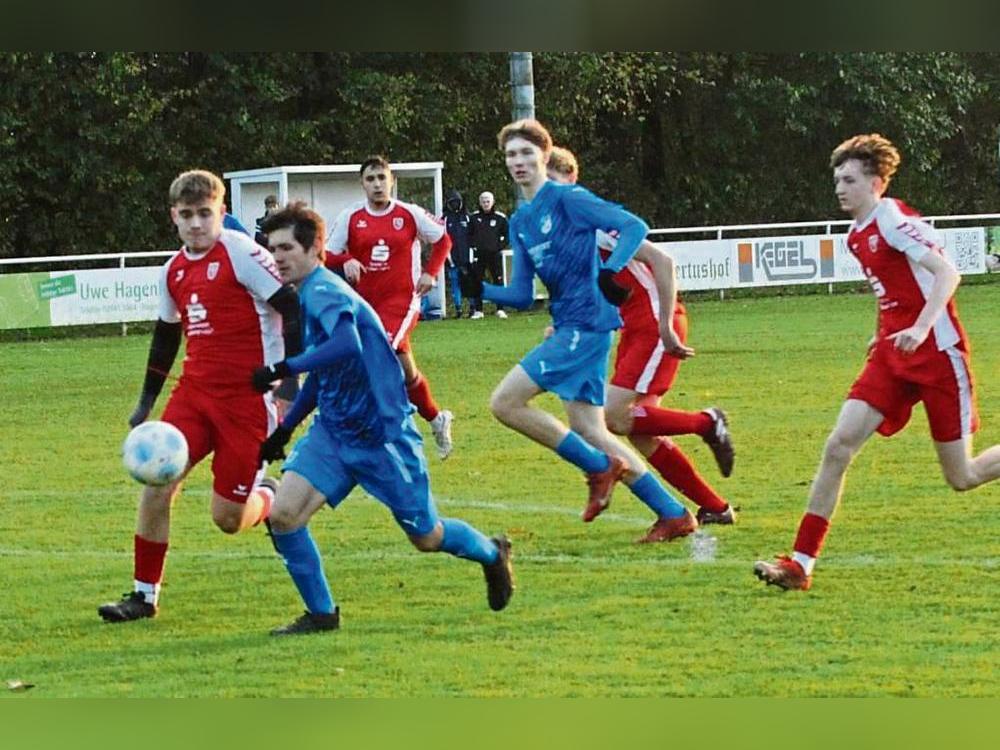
<point x="231" y="222"/>
<point x="587" y="209"/>
<point x="343" y="342"/>
<point x="304" y="403"/>
<point x="520" y="293"/>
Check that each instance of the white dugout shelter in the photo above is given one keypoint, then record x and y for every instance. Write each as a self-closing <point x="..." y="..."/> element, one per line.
<point x="330" y="188"/>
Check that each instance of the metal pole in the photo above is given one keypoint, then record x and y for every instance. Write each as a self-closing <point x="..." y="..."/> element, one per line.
<point x="522" y="91"/>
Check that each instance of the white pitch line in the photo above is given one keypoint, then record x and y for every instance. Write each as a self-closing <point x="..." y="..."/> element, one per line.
<point x="856" y="561"/>
<point x="641" y="518"/>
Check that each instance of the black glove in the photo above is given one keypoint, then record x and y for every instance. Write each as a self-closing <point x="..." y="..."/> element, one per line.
<point x="264" y="376"/>
<point x="142" y="409"/>
<point x="613" y="293"/>
<point x="273" y="449"/>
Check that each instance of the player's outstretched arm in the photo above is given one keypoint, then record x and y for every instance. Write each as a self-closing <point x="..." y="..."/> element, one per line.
<point x="162" y="352"/>
<point x="520" y="292"/>
<point x="665" y="277"/>
<point x="344" y="342"/>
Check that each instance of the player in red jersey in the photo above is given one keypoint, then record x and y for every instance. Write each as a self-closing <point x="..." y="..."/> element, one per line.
<point x="377" y="244"/>
<point x="223" y="292"/>
<point x="650" y="350"/>
<point x="919" y="352"/>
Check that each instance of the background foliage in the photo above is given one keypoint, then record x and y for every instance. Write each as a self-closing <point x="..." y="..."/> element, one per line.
<point x="90" y="141"/>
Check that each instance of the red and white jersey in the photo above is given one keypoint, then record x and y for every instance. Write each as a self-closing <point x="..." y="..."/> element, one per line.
<point x="219" y="297"/>
<point x="387" y="244"/>
<point x="642" y="308"/>
<point x="889" y="244"/>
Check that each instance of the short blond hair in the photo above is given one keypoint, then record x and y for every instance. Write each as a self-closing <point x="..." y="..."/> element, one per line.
<point x="531" y="130"/>
<point x="195" y="186"/>
<point x="563" y="161"/>
<point x="877" y="154"/>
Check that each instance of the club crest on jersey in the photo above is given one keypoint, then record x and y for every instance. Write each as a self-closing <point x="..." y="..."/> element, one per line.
<point x="397" y="222"/>
<point x="213" y="270"/>
<point x="873" y="243"/>
<point x="546" y="225"/>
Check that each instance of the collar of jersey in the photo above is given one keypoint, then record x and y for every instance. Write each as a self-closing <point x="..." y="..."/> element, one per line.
<point x="392" y="205"/>
<point x="859" y="225"/>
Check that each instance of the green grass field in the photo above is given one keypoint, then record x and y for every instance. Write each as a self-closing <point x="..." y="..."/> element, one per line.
<point x="905" y="600"/>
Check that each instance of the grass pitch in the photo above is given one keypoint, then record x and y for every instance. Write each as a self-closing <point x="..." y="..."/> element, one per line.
<point x="904" y="603"/>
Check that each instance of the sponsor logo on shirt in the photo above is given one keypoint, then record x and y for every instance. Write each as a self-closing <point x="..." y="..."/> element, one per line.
<point x="379" y="257"/>
<point x="362" y="224"/>
<point x="179" y="275"/>
<point x="197" y="318"/>
<point x="537" y="253"/>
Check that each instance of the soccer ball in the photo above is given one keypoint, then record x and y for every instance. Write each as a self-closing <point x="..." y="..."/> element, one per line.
<point x="155" y="453"/>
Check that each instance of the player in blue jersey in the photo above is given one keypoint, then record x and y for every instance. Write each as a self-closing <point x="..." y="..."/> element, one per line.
<point x="553" y="235"/>
<point x="362" y="434"/>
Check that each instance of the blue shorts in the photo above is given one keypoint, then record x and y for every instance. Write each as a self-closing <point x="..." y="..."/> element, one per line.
<point x="394" y="473"/>
<point x="572" y="364"/>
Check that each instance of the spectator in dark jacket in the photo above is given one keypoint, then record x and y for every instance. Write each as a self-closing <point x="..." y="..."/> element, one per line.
<point x="457" y="223"/>
<point x="489" y="237"/>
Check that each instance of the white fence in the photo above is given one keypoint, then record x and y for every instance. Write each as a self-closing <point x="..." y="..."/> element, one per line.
<point x="717" y="258"/>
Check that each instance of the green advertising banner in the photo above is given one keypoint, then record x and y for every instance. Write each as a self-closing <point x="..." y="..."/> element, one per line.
<point x="114" y="295"/>
<point x="21" y="304"/>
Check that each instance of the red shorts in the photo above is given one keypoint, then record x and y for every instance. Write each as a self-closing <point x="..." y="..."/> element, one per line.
<point x="399" y="321"/>
<point x="231" y="427"/>
<point x="641" y="364"/>
<point x="893" y="382"/>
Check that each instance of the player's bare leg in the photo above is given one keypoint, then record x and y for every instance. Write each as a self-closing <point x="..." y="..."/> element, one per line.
<point x="673" y="520"/>
<point x="419" y="393"/>
<point x="509" y="404"/>
<point x="961" y="470"/>
<point x="857" y="422"/>
<point x="232" y="517"/>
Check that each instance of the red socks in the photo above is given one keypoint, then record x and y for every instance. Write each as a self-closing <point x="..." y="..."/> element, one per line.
<point x="653" y="420"/>
<point x="679" y="472"/>
<point x="149" y="560"/>
<point x="812" y="533"/>
<point x="419" y="393"/>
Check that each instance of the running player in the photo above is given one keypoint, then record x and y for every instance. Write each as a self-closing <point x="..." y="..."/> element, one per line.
<point x="553" y="235"/>
<point x="377" y="244"/>
<point x="652" y="345"/>
<point x="363" y="433"/>
<point x="919" y="353"/>
<point x="221" y="291"/>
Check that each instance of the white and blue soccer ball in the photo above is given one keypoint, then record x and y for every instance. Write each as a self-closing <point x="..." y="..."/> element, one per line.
<point x="155" y="453"/>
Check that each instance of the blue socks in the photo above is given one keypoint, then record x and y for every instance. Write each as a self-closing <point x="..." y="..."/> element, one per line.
<point x="306" y="568"/>
<point x="462" y="540"/>
<point x="582" y="454"/>
<point x="655" y="495"/>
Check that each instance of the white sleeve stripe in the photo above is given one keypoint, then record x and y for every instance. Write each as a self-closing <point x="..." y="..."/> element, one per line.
<point x="428" y="229"/>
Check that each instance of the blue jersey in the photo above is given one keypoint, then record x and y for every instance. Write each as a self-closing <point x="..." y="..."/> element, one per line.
<point x="361" y="399"/>
<point x="553" y="236"/>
